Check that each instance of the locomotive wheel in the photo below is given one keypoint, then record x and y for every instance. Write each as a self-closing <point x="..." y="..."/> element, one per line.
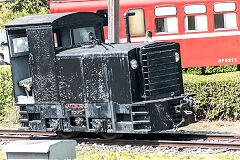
<point x="67" y="135"/>
<point x="111" y="136"/>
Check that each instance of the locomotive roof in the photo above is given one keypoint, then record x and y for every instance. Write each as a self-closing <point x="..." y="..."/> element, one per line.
<point x="57" y="19"/>
<point x="114" y="50"/>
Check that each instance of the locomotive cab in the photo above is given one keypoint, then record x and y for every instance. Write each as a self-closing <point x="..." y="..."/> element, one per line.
<point x="66" y="80"/>
<point x="33" y="43"/>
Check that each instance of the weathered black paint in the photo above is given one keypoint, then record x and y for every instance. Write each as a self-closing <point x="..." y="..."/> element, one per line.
<point x="70" y="76"/>
<point x="92" y="87"/>
<point x="41" y="47"/>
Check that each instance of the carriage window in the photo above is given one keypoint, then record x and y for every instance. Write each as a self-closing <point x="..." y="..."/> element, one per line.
<point x="225" y="21"/>
<point x="81" y="34"/>
<point x="224" y="7"/>
<point x="165" y="11"/>
<point x="20" y="44"/>
<point x="195" y="9"/>
<point x="196" y="23"/>
<point x="166" y="25"/>
<point x="137" y="22"/>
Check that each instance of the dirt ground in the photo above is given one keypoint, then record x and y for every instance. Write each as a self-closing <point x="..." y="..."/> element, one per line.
<point x="228" y="127"/>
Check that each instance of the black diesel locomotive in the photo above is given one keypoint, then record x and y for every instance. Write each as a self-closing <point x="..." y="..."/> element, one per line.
<point x="66" y="80"/>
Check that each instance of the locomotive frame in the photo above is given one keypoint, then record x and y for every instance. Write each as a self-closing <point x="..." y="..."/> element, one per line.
<point x="66" y="80"/>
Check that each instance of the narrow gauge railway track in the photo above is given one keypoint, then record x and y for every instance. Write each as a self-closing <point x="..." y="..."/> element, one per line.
<point x="17" y="132"/>
<point x="13" y="135"/>
<point x="165" y="143"/>
<point x="196" y="136"/>
<point x="188" y="140"/>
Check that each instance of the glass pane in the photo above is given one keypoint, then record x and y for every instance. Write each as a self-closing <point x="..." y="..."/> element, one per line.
<point x="224" y="7"/>
<point x="66" y="37"/>
<point x="159" y="22"/>
<point x="81" y="34"/>
<point x="230" y="20"/>
<point x="20" y="44"/>
<point x="194" y="9"/>
<point x="165" y="11"/>
<point x="191" y="23"/>
<point x="137" y="23"/>
<point x="218" y="21"/>
<point x="201" y="23"/>
<point x="172" y="24"/>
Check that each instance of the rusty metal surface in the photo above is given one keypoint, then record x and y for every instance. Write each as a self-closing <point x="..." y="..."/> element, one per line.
<point x="16" y="132"/>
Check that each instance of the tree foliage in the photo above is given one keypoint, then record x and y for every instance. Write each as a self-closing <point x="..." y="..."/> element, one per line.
<point x="6" y="91"/>
<point x="19" y="8"/>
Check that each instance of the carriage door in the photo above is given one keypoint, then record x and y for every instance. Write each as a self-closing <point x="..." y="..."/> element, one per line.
<point x="43" y="67"/>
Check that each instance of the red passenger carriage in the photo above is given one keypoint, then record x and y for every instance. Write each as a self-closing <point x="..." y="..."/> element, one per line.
<point x="207" y="30"/>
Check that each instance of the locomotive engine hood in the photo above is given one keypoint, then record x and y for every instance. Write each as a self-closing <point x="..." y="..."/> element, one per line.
<point x="120" y="73"/>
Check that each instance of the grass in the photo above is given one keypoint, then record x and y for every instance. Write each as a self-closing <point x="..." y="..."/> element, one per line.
<point x="91" y="155"/>
<point x="2" y="155"/>
<point x="13" y="119"/>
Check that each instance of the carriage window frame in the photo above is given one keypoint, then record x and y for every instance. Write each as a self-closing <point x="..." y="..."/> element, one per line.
<point x="165" y="19"/>
<point x="224" y="12"/>
<point x="11" y="45"/>
<point x="186" y="23"/>
<point x="225" y="21"/>
<point x="195" y="15"/>
<point x="144" y="24"/>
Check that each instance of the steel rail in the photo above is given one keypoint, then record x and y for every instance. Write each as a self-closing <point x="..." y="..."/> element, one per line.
<point x="188" y="140"/>
<point x="165" y="143"/>
<point x="192" y="136"/>
<point x="161" y="143"/>
<point x="17" y="132"/>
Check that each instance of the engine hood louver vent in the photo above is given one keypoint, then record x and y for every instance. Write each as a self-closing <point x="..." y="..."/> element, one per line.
<point x="162" y="77"/>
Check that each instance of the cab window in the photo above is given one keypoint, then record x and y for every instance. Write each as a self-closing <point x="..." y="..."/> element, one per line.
<point x="20" y="44"/>
<point x="65" y="37"/>
<point x="81" y="34"/>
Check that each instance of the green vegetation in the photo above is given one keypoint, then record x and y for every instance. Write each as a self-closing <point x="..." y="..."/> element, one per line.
<point x="6" y="92"/>
<point x="19" y="8"/>
<point x="217" y="95"/>
<point x="84" y="154"/>
<point x="210" y="69"/>
<point x="8" y="111"/>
